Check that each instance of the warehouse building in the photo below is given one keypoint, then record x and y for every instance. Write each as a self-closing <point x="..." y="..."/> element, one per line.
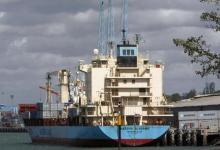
<point x="201" y="112"/>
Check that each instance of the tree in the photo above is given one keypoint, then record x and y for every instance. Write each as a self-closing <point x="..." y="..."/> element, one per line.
<point x="190" y="94"/>
<point x="212" y="87"/>
<point x="198" y="49"/>
<point x="168" y="98"/>
<point x="209" y="88"/>
<point x="175" y="97"/>
<point x="217" y="92"/>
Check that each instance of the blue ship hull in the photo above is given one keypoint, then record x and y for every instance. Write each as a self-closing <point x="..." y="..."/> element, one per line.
<point x="131" y="135"/>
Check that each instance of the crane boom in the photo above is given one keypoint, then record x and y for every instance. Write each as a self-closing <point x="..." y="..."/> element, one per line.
<point x="110" y="30"/>
<point x="101" y="42"/>
<point x="110" y="26"/>
<point x="51" y="90"/>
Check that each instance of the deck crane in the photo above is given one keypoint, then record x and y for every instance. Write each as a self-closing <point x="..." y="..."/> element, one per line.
<point x="101" y="39"/>
<point x="106" y="29"/>
<point x="48" y="87"/>
<point x="64" y="79"/>
<point x="52" y="90"/>
<point x="110" y="29"/>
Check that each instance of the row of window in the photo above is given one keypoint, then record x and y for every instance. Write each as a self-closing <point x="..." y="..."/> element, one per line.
<point x="132" y="81"/>
<point x="128" y="52"/>
<point x="141" y="90"/>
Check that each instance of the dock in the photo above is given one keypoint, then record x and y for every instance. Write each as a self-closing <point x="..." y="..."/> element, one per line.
<point x="181" y="137"/>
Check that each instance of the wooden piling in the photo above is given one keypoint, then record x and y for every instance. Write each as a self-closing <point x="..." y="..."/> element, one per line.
<point x="205" y="137"/>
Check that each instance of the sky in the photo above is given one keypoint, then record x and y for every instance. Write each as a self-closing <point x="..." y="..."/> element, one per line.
<point x="39" y="36"/>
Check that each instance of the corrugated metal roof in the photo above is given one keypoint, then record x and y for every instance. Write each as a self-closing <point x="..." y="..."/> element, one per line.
<point x="198" y="101"/>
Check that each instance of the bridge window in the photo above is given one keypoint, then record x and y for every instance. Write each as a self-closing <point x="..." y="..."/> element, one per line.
<point x="125" y="81"/>
<point x="124" y="52"/>
<point x="145" y="62"/>
<point x="128" y="52"/>
<point x="133" y="81"/>
<point x="132" y="52"/>
<point x="142" y="90"/>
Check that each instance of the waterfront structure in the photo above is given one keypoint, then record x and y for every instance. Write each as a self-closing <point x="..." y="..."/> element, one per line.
<point x="201" y="113"/>
<point x="9" y="117"/>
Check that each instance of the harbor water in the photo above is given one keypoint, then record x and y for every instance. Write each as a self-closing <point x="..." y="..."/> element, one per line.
<point x="21" y="141"/>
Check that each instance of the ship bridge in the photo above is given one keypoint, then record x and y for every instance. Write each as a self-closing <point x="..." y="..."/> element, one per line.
<point x="127" y="55"/>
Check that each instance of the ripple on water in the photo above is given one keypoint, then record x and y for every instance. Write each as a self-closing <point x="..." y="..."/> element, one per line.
<point x="21" y="141"/>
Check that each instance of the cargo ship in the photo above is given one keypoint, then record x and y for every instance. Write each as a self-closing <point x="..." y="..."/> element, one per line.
<point x="117" y="99"/>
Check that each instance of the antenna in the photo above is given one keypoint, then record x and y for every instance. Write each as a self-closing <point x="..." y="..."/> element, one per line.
<point x="101" y="43"/>
<point x="125" y="21"/>
<point x="138" y="38"/>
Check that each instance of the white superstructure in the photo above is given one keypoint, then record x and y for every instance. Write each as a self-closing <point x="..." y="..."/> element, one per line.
<point x="127" y="80"/>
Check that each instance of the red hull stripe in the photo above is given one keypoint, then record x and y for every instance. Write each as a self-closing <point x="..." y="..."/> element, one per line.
<point x="136" y="142"/>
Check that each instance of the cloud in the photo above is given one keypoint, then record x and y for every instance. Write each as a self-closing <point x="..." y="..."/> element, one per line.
<point x="2" y="14"/>
<point x="8" y="1"/>
<point x="161" y="19"/>
<point x="37" y="36"/>
<point x="56" y="29"/>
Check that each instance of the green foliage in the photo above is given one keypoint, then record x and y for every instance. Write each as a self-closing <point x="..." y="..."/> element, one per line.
<point x="211" y="1"/>
<point x="198" y="50"/>
<point x="212" y="18"/>
<point x="190" y="94"/>
<point x="168" y="98"/>
<point x="209" y="88"/>
<point x="175" y="97"/>
<point x="217" y="92"/>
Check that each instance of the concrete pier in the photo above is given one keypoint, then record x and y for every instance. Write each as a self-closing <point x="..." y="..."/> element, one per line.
<point x="178" y="137"/>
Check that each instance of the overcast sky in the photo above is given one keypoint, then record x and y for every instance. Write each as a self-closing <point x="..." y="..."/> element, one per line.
<point x="37" y="36"/>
